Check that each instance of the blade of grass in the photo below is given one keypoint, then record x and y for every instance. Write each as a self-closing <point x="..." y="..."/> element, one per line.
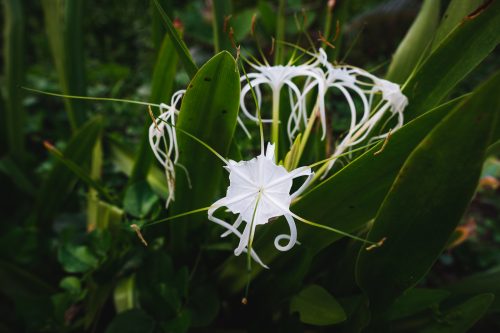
<point x="78" y="171"/>
<point x="10" y="168"/>
<point x="13" y="116"/>
<point x="61" y="180"/>
<point x="220" y="10"/>
<point x="92" y="195"/>
<point x="158" y="29"/>
<point x="179" y="45"/>
<point x="63" y="25"/>
<point x="280" y="34"/>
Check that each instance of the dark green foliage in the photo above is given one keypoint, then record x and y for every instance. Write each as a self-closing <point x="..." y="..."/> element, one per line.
<point x="80" y="185"/>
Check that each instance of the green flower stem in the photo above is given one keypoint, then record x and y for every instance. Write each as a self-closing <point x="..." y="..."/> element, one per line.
<point x="305" y="135"/>
<point x="276" y="121"/>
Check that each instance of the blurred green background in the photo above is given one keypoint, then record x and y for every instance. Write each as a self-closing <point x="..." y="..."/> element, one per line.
<point x="66" y="264"/>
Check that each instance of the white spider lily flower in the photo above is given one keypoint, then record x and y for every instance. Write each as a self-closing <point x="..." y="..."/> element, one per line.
<point x="259" y="191"/>
<point x="276" y="77"/>
<point x="342" y="78"/>
<point x="393" y="100"/>
<point x="391" y="93"/>
<point x="163" y="141"/>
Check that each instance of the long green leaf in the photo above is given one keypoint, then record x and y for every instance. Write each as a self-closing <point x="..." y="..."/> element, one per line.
<point x="413" y="47"/>
<point x="93" y="202"/>
<point x="179" y="45"/>
<point x="428" y="198"/>
<point x="220" y="10"/>
<point x="12" y="116"/>
<point x="158" y="29"/>
<point x="279" y="54"/>
<point x="457" y="11"/>
<point x="60" y="180"/>
<point x="484" y="282"/>
<point x="82" y="174"/>
<point x="22" y="180"/>
<point x="462" y="317"/>
<point x="63" y="21"/>
<point x="17" y="282"/>
<point x="455" y="57"/>
<point x="209" y="110"/>
<point x="346" y="201"/>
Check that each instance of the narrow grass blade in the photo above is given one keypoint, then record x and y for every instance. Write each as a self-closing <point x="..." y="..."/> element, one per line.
<point x="78" y="171"/>
<point x="63" y="24"/>
<point x="93" y="193"/>
<point x="61" y="180"/>
<point x="221" y="9"/>
<point x="13" y="116"/>
<point x="179" y="45"/>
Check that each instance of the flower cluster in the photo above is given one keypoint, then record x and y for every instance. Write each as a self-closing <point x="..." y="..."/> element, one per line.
<point x="321" y="76"/>
<point x="260" y="188"/>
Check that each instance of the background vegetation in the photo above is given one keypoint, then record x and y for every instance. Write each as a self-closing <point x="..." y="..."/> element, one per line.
<point x="69" y="261"/>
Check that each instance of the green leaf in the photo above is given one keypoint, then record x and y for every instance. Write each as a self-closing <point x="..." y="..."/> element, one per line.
<point x="13" y="115"/>
<point x="63" y="22"/>
<point x="93" y="201"/>
<point x="462" y="317"/>
<point x="280" y="33"/>
<point x="132" y="321"/>
<point x="456" y="12"/>
<point x="209" y="110"/>
<point x="79" y="172"/>
<point x="105" y="216"/>
<point x="123" y="159"/>
<point x="139" y="199"/>
<point x="76" y="258"/>
<point x="180" y="47"/>
<point x="347" y="200"/>
<point x="157" y="27"/>
<point x="413" y="47"/>
<point x="316" y="306"/>
<point x="428" y="198"/>
<point x="16" y="282"/>
<point x="220" y="10"/>
<point x="485" y="282"/>
<point x="71" y="284"/>
<point x="12" y="170"/>
<point x="61" y="180"/>
<point x="415" y="301"/>
<point x="455" y="57"/>
<point x="124" y="294"/>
